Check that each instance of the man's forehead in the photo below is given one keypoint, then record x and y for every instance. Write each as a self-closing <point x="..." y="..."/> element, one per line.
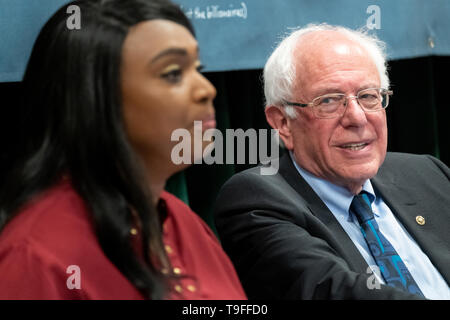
<point x="317" y="43"/>
<point x="323" y="53"/>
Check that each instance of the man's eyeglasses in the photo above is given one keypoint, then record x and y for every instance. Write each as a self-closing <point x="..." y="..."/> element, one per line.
<point x="333" y="105"/>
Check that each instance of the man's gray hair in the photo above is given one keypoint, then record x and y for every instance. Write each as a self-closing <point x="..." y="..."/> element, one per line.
<point x="279" y="71"/>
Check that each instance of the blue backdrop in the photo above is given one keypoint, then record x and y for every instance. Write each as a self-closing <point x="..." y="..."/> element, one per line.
<point x="240" y="34"/>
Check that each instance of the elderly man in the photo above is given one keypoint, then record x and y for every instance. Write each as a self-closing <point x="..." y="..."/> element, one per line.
<point x="342" y="219"/>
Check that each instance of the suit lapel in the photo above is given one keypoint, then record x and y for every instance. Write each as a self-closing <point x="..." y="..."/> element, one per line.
<point x="398" y="199"/>
<point x="339" y="239"/>
<point x="401" y="199"/>
<point x="400" y="196"/>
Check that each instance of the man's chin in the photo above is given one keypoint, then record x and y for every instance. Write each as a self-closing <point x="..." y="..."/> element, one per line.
<point x="360" y="179"/>
<point x="357" y="174"/>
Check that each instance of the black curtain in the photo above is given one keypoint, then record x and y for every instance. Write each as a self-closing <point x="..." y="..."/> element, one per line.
<point x="417" y="121"/>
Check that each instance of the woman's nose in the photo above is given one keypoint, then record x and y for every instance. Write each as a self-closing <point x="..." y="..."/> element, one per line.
<point x="204" y="91"/>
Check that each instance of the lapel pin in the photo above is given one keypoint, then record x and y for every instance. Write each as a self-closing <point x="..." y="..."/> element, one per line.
<point x="420" y="220"/>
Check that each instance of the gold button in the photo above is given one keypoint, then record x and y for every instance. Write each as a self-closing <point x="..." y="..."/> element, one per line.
<point x="168" y="249"/>
<point x="420" y="220"/>
<point x="133" y="231"/>
<point x="178" y="288"/>
<point x="191" y="288"/>
<point x="177" y="270"/>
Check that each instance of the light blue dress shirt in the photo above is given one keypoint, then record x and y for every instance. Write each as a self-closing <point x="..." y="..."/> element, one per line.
<point x="338" y="200"/>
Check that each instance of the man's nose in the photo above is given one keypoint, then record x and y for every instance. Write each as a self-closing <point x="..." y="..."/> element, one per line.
<point x="354" y="114"/>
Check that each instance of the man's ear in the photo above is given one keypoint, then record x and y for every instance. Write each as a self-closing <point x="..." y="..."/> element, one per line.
<point x="277" y="119"/>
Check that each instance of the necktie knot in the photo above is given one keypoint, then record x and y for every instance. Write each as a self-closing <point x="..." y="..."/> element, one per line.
<point x="360" y="206"/>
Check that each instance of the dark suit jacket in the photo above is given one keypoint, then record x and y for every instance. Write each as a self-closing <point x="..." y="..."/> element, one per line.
<point x="286" y="244"/>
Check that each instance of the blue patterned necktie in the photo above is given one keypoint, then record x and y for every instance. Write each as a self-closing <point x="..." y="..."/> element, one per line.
<point x="392" y="267"/>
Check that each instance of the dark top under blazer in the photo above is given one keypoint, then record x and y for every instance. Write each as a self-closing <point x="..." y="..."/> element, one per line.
<point x="286" y="244"/>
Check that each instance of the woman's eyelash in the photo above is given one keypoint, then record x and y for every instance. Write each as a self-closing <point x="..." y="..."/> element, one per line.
<point x="200" y="68"/>
<point x="173" y="75"/>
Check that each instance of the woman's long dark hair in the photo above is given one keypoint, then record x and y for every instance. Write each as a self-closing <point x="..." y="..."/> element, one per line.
<point x="71" y="123"/>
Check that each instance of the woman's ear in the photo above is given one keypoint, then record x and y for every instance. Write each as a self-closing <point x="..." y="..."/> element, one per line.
<point x="277" y="119"/>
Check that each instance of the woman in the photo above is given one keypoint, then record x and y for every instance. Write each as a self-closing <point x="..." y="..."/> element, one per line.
<point x="77" y="215"/>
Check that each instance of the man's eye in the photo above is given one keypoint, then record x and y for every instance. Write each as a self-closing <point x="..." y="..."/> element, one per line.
<point x="329" y="100"/>
<point x="368" y="96"/>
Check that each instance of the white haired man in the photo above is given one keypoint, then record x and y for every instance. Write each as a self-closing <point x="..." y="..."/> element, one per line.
<point x="342" y="218"/>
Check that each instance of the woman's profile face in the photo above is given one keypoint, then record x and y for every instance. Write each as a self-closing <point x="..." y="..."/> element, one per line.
<point x="162" y="89"/>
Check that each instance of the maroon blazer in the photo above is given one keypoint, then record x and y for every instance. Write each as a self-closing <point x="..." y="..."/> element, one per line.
<point x="41" y="247"/>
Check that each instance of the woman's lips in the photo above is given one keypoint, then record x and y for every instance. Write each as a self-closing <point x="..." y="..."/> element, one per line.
<point x="209" y="123"/>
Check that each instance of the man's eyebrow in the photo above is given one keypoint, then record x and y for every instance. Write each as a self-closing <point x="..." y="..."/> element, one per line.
<point x="368" y="86"/>
<point x="171" y="51"/>
<point x="328" y="90"/>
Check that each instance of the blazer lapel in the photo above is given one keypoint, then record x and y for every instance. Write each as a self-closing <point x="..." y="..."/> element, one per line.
<point x="340" y="241"/>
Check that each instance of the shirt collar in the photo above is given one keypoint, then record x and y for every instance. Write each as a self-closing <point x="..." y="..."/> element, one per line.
<point x="336" y="198"/>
